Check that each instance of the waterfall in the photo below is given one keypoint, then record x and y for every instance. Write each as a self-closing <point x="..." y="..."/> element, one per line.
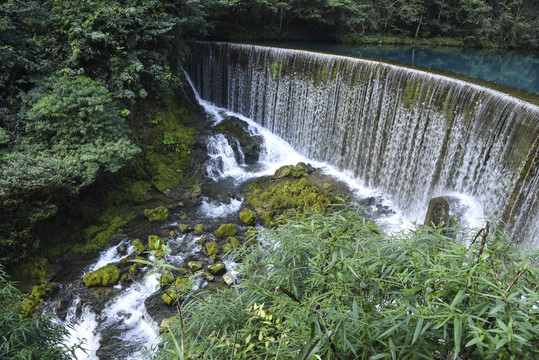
<point x="412" y="134"/>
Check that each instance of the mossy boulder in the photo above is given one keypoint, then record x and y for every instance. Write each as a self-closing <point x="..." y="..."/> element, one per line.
<point x="105" y="276"/>
<point x="199" y="229"/>
<point x="217" y="269"/>
<point x="185" y="228"/>
<point x="231" y="243"/>
<point x="290" y="188"/>
<point x="226" y="230"/>
<point x="236" y="129"/>
<point x="248" y="217"/>
<point x="194" y="266"/>
<point x="213" y="249"/>
<point x="139" y="247"/>
<point x="158" y="214"/>
<point x="38" y="291"/>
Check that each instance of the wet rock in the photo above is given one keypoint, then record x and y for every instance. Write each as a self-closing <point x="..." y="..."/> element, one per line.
<point x="122" y="249"/>
<point x="62" y="307"/>
<point x="105" y="276"/>
<point x="157" y="309"/>
<point x="208" y="276"/>
<point x="185" y="228"/>
<point x="139" y="247"/>
<point x="217" y="269"/>
<point x="228" y="279"/>
<point x="213" y="249"/>
<point x="247" y="217"/>
<point x="439" y="210"/>
<point x="226" y="230"/>
<point x="194" y="266"/>
<point x="236" y="131"/>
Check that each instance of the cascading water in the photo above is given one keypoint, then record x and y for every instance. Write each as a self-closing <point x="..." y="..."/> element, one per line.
<point x="412" y="134"/>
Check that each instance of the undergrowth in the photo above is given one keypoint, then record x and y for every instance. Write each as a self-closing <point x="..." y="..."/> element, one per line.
<point x="331" y="286"/>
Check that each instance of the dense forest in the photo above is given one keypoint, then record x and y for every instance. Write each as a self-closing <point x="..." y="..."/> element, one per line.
<point x="77" y="78"/>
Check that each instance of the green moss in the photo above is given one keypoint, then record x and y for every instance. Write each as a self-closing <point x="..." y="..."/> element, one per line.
<point x="298" y="171"/>
<point x="139" y="247"/>
<point x="96" y="236"/>
<point x="248" y="217"/>
<point x="160" y="213"/>
<point x="199" y="229"/>
<point x="288" y="194"/>
<point x="275" y="69"/>
<point x="217" y="269"/>
<point x="226" y="230"/>
<point x="169" y="153"/>
<point x="213" y="249"/>
<point x="185" y="228"/>
<point x="233" y="241"/>
<point x="106" y="276"/>
<point x="129" y="191"/>
<point x="133" y="270"/>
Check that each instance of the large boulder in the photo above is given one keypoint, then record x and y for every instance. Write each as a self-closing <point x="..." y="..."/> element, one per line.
<point x="439" y="210"/>
<point x="236" y="129"/>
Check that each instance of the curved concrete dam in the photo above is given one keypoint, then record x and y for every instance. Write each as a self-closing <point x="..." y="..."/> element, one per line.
<point x="412" y="134"/>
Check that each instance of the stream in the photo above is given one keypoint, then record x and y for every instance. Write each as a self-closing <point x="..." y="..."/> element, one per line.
<point x="122" y="322"/>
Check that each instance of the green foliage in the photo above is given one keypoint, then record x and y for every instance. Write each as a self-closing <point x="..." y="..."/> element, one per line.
<point x="333" y="287"/>
<point x="23" y="337"/>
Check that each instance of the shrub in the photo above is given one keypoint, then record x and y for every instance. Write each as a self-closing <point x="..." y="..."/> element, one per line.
<point x="335" y="287"/>
<point x="25" y="337"/>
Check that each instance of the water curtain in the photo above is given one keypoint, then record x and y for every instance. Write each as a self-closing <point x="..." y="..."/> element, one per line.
<point x="410" y="133"/>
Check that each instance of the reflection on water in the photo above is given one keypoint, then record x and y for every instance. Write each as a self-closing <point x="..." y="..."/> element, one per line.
<point x="514" y="68"/>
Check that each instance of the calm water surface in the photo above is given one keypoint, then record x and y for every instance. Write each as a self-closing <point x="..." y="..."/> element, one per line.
<point x="518" y="69"/>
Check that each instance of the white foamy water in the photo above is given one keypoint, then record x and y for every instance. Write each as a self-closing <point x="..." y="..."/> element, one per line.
<point x="129" y="314"/>
<point x="111" y="255"/>
<point x="211" y="210"/>
<point x="85" y="330"/>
